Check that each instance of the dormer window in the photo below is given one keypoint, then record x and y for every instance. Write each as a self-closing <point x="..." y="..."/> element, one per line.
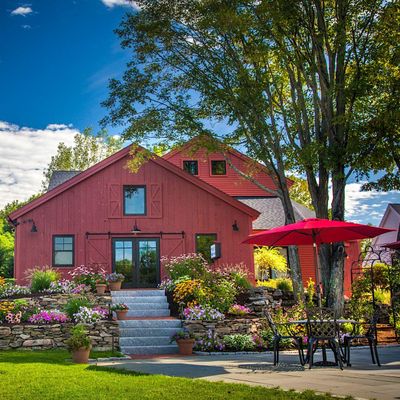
<point x="191" y="166"/>
<point x="218" y="167"/>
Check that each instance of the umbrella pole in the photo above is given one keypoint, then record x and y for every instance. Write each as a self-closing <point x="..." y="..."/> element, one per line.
<point x="317" y="278"/>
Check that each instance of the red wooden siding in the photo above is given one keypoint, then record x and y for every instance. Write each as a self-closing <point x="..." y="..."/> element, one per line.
<point x="231" y="183"/>
<point x="95" y="205"/>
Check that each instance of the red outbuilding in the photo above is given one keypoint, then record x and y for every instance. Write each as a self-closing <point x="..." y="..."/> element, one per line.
<point x="112" y="218"/>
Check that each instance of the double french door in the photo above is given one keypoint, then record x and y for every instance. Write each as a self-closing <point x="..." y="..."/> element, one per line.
<point x="138" y="259"/>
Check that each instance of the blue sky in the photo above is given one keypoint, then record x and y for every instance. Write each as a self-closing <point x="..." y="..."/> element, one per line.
<point x="56" y="57"/>
<point x="55" y="60"/>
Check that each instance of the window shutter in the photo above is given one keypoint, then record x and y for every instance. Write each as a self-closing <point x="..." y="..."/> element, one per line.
<point x="115" y="201"/>
<point x="155" y="200"/>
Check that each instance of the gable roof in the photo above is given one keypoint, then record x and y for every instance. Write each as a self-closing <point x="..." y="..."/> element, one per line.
<point x="59" y="177"/>
<point x="272" y="213"/>
<point x="118" y="156"/>
<point x="233" y="151"/>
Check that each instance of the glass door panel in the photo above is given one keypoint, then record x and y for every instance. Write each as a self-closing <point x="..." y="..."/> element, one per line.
<point x="148" y="260"/>
<point x="123" y="259"/>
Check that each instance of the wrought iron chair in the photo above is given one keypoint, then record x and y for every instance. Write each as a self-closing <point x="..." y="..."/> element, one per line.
<point x="370" y="335"/>
<point x="277" y="337"/>
<point x="322" y="328"/>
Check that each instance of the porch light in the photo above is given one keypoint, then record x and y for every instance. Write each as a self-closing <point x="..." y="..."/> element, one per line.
<point x="34" y="228"/>
<point x="135" y="228"/>
<point x="235" y="226"/>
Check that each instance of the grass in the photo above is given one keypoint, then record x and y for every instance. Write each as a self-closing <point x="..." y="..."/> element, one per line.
<point x="49" y="375"/>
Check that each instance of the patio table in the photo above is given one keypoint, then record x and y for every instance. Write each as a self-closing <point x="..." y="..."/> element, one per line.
<point x="324" y="361"/>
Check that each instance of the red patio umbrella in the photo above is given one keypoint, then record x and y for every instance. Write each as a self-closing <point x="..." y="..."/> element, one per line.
<point x="393" y="245"/>
<point x="314" y="231"/>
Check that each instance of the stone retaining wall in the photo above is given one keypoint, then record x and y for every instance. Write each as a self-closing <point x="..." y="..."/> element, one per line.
<point x="226" y="326"/>
<point x="29" y="336"/>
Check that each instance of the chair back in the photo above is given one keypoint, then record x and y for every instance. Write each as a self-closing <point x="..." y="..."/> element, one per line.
<point x="321" y="323"/>
<point x="372" y="321"/>
<point x="270" y="321"/>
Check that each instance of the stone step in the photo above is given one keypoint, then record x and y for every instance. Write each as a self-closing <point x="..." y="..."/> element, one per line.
<point x="148" y="350"/>
<point x="138" y="293"/>
<point x="149" y="313"/>
<point x="150" y="323"/>
<point x="139" y="299"/>
<point x="147" y="306"/>
<point x="148" y="332"/>
<point x="145" y="341"/>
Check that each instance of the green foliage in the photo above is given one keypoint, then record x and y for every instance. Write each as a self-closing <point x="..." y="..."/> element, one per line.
<point x="41" y="277"/>
<point x="299" y="192"/>
<point x="49" y="375"/>
<point x="239" y="342"/>
<point x="87" y="150"/>
<point x="269" y="258"/>
<point x="284" y="284"/>
<point x="310" y="289"/>
<point x="74" y="304"/>
<point x="79" y="338"/>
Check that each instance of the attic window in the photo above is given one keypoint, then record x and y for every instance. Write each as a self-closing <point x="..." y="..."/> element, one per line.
<point x="191" y="166"/>
<point x="218" y="167"/>
<point x="134" y="200"/>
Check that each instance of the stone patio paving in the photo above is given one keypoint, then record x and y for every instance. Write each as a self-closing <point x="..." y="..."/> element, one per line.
<point x="362" y="380"/>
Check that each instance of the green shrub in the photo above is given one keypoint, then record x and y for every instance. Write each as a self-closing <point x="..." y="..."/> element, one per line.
<point x="74" y="304"/>
<point x="239" y="342"/>
<point x="41" y="278"/>
<point x="79" y="338"/>
<point x="284" y="284"/>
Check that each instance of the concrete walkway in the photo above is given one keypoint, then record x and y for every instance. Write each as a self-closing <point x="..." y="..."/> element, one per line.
<point x="362" y="380"/>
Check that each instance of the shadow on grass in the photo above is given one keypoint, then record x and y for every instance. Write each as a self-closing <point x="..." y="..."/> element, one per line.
<point x="115" y="371"/>
<point x="60" y="357"/>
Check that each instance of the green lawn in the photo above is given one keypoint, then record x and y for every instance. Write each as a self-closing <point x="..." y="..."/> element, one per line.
<point x="49" y="375"/>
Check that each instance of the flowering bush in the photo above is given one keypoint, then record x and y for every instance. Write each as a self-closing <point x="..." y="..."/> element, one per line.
<point x="69" y="287"/>
<point x="188" y="291"/>
<point x="167" y="284"/>
<point x="2" y="281"/>
<point x="202" y="313"/>
<point x="87" y="275"/>
<point x="88" y="315"/>
<point x="115" y="277"/>
<point x="9" y="290"/>
<point x="208" y="342"/>
<point x="48" y="317"/>
<point x="237" y="274"/>
<point x="192" y="265"/>
<point x="237" y="309"/>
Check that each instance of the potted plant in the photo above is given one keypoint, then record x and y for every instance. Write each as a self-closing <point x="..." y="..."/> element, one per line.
<point x="79" y="344"/>
<point x="120" y="309"/>
<point x="101" y="285"/>
<point x="185" y="340"/>
<point x="114" y="281"/>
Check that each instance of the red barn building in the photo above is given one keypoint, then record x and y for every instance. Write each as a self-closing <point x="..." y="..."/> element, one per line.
<point x="109" y="217"/>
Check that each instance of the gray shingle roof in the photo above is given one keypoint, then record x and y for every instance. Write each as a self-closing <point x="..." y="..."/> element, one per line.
<point x="272" y="213"/>
<point x="60" y="177"/>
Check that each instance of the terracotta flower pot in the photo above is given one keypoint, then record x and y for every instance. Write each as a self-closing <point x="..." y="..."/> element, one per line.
<point x="185" y="346"/>
<point x="101" y="288"/>
<point x="121" y="314"/>
<point x="114" y="285"/>
<point x="81" y="356"/>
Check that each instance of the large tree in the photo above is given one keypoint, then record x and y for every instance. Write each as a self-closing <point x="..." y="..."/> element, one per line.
<point x="289" y="81"/>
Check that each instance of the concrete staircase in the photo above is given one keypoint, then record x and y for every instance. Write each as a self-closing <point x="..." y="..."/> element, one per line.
<point x="149" y="328"/>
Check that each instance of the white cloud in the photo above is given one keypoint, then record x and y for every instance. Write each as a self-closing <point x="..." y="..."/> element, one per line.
<point x="367" y="207"/>
<point x="26" y="27"/>
<point x="22" y="11"/>
<point x="24" y="153"/>
<point x="125" y="3"/>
